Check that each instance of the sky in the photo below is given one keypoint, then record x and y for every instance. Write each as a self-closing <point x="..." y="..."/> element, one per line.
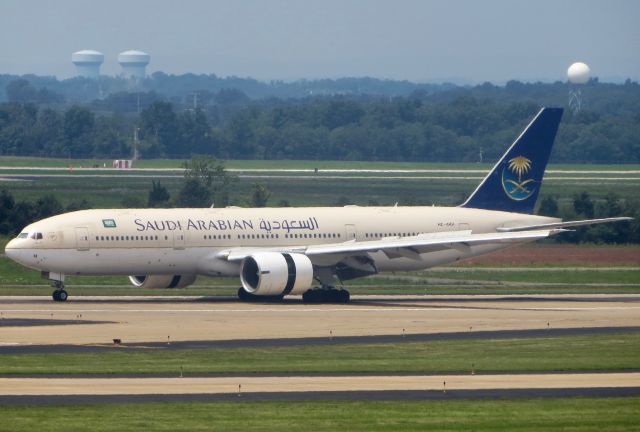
<point x="464" y="41"/>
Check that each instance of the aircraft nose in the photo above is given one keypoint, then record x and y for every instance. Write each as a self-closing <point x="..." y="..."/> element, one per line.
<point x="9" y="249"/>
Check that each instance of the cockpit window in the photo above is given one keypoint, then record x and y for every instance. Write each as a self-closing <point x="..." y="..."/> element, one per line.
<point x="36" y="236"/>
<point x="23" y="235"/>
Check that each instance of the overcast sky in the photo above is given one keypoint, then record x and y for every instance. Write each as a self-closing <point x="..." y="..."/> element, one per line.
<point x="418" y="40"/>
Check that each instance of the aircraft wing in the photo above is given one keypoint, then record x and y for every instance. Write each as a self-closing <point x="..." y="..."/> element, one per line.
<point x="561" y="225"/>
<point x="409" y="247"/>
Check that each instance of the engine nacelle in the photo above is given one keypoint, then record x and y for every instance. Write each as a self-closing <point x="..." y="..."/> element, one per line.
<point x="162" y="281"/>
<point x="275" y="274"/>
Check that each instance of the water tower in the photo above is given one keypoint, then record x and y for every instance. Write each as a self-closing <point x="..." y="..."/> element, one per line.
<point x="578" y="75"/>
<point x="87" y="63"/>
<point x="134" y="63"/>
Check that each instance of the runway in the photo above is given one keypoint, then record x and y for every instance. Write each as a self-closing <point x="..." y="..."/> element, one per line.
<point x="317" y="383"/>
<point x="162" y="320"/>
<point x="89" y="324"/>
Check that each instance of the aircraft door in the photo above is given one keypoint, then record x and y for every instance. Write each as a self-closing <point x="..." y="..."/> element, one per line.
<point x="179" y="239"/>
<point x="82" y="238"/>
<point x="350" y="232"/>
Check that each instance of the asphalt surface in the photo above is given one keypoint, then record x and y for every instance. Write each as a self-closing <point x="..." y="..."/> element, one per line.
<point x="32" y="322"/>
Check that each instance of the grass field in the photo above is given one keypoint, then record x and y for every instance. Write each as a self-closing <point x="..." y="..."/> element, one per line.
<point x="566" y="414"/>
<point x="114" y="192"/>
<point x="566" y="353"/>
<point x="308" y="189"/>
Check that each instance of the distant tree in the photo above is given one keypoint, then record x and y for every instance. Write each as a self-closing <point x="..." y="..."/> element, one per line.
<point x="583" y="205"/>
<point x="549" y="206"/>
<point x="158" y="195"/>
<point x="7" y="205"/>
<point x="159" y="123"/>
<point x="23" y="214"/>
<point x="343" y="201"/>
<point x="82" y="204"/>
<point x="78" y="127"/>
<point x="341" y="112"/>
<point x="132" y="201"/>
<point x="259" y="195"/>
<point x="206" y="182"/>
<point x="46" y="206"/>
<point x="230" y="96"/>
<point x="612" y="206"/>
<point x="284" y="203"/>
<point x="194" y="193"/>
<point x="194" y="133"/>
<point x="21" y="90"/>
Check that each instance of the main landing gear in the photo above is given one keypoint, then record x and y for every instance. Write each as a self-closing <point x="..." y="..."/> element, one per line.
<point x="326" y="294"/>
<point x="59" y="294"/>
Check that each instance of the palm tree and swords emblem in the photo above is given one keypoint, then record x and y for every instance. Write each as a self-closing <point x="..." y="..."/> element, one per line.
<point x="512" y="182"/>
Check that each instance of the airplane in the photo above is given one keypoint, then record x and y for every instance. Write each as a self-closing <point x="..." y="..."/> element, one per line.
<point x="277" y="252"/>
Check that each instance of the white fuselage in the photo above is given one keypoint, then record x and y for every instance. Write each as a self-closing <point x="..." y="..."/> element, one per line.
<point x="191" y="241"/>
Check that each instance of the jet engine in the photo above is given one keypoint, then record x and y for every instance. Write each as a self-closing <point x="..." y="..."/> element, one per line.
<point x="162" y="281"/>
<point x="276" y="274"/>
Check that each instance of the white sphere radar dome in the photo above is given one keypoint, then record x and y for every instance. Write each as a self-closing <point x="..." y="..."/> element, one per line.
<point x="578" y="73"/>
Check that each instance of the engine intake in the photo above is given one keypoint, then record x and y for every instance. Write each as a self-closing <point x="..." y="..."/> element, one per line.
<point x="275" y="274"/>
<point x="162" y="281"/>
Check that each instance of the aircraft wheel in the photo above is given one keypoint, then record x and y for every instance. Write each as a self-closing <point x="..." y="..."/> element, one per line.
<point x="248" y="297"/>
<point x="62" y="295"/>
<point x="245" y="296"/>
<point x="55" y="295"/>
<point x="312" y="296"/>
<point x="343" y="296"/>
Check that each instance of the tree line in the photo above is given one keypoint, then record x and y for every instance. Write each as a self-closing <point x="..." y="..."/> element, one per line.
<point x="463" y="129"/>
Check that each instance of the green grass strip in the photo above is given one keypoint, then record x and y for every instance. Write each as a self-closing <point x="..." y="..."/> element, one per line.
<point x="570" y="353"/>
<point x="566" y="414"/>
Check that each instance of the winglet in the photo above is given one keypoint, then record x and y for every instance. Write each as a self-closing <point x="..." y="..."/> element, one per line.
<point x="514" y="182"/>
